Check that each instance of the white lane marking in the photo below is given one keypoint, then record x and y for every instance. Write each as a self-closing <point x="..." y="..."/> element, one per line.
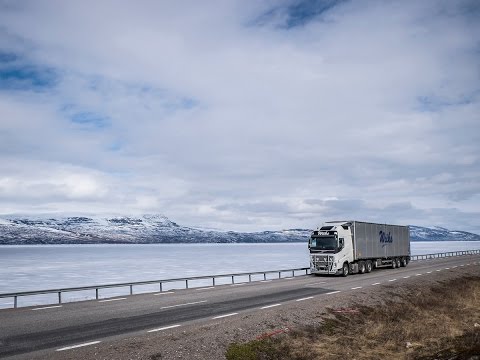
<point x="447" y="268"/>
<point x="240" y="284"/>
<point x="392" y="280"/>
<point x="462" y="265"/>
<point x="374" y="284"/>
<point x="288" y="278"/>
<point x="468" y="264"/>
<point x="223" y="316"/>
<point x="270" y="306"/>
<point x="355" y="288"/>
<point x="332" y="292"/>
<point x="454" y="267"/>
<point x="164" y="328"/>
<point x="205" y="288"/>
<point x="438" y="270"/>
<point x="165" y="293"/>
<point x="192" y="303"/>
<point x="406" y="277"/>
<point x="265" y="280"/>
<point x="306" y="298"/>
<point x="429" y="272"/>
<point x="418" y="274"/>
<point x="108" y="300"/>
<point x="79" y="345"/>
<point x="47" y="307"/>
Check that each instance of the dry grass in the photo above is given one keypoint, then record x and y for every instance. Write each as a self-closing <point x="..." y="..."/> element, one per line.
<point x="418" y="323"/>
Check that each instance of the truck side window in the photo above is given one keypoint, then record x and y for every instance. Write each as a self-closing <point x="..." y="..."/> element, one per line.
<point x="341" y="243"/>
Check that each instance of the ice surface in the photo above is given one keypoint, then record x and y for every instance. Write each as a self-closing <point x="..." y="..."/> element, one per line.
<point x="38" y="267"/>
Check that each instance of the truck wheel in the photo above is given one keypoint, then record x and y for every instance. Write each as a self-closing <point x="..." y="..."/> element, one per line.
<point x="399" y="263"/>
<point x="394" y="263"/>
<point x="361" y="267"/>
<point x="345" y="269"/>
<point x="404" y="262"/>
<point x="369" y="266"/>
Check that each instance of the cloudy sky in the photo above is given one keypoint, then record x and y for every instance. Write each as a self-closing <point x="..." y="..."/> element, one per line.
<point x="242" y="115"/>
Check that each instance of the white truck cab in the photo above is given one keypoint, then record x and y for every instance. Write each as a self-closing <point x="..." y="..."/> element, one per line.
<point x="330" y="247"/>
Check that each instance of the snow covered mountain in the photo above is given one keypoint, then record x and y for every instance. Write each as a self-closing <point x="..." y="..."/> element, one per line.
<point x="418" y="233"/>
<point x="147" y="229"/>
<point x="143" y="229"/>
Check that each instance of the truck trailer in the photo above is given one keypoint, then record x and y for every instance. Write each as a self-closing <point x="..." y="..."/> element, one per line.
<point x="350" y="247"/>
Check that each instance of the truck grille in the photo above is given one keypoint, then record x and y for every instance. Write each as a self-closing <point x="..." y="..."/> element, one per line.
<point x="320" y="262"/>
<point x="321" y="258"/>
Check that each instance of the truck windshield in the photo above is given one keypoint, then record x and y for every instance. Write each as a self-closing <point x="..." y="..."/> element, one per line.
<point x="323" y="243"/>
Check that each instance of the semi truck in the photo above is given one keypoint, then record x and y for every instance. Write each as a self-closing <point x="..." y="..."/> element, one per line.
<point x="350" y="247"/>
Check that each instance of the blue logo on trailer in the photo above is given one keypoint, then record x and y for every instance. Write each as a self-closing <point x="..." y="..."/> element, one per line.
<point x="385" y="238"/>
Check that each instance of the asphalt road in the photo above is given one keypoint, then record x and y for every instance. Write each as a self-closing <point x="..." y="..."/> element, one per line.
<point x="61" y="328"/>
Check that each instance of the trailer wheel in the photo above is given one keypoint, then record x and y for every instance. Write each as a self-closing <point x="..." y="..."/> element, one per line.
<point x="394" y="263"/>
<point x="345" y="269"/>
<point x="369" y="266"/>
<point x="399" y="263"/>
<point x="404" y="262"/>
<point x="361" y="267"/>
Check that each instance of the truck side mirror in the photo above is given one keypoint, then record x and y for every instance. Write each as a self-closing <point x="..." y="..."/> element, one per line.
<point x="341" y="243"/>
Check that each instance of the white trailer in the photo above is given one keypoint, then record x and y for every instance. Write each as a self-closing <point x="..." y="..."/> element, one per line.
<point x="349" y="247"/>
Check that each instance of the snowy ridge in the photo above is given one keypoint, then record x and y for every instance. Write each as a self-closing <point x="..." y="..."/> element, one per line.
<point x="147" y="229"/>
<point x="144" y="229"/>
<point x="436" y="233"/>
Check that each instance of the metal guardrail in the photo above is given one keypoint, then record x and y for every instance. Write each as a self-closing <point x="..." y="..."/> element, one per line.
<point x="444" y="255"/>
<point x="59" y="292"/>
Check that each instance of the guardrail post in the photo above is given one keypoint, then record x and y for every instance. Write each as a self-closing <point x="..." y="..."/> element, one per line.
<point x="249" y="277"/>
<point x="131" y="289"/>
<point x="186" y="283"/>
<point x="264" y="276"/>
<point x="59" y="297"/>
<point x="279" y="275"/>
<point x="306" y="271"/>
<point x="160" y="285"/>
<point x="213" y="281"/>
<point x="293" y="273"/>
<point x="96" y="294"/>
<point x="233" y="281"/>
<point x="15" y="301"/>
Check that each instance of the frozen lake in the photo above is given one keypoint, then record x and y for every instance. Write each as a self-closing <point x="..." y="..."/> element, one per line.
<point x="39" y="267"/>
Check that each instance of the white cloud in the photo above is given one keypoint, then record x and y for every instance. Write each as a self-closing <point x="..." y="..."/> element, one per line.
<point x="204" y="113"/>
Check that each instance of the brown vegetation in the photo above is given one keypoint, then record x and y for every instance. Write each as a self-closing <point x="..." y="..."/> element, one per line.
<point x="440" y="322"/>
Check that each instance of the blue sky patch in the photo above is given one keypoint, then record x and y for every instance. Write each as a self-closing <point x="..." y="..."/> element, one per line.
<point x="297" y="13"/>
<point x="435" y="103"/>
<point x="17" y="76"/>
<point x="303" y="12"/>
<point x="115" y="146"/>
<point x="6" y="57"/>
<point x="90" y="120"/>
